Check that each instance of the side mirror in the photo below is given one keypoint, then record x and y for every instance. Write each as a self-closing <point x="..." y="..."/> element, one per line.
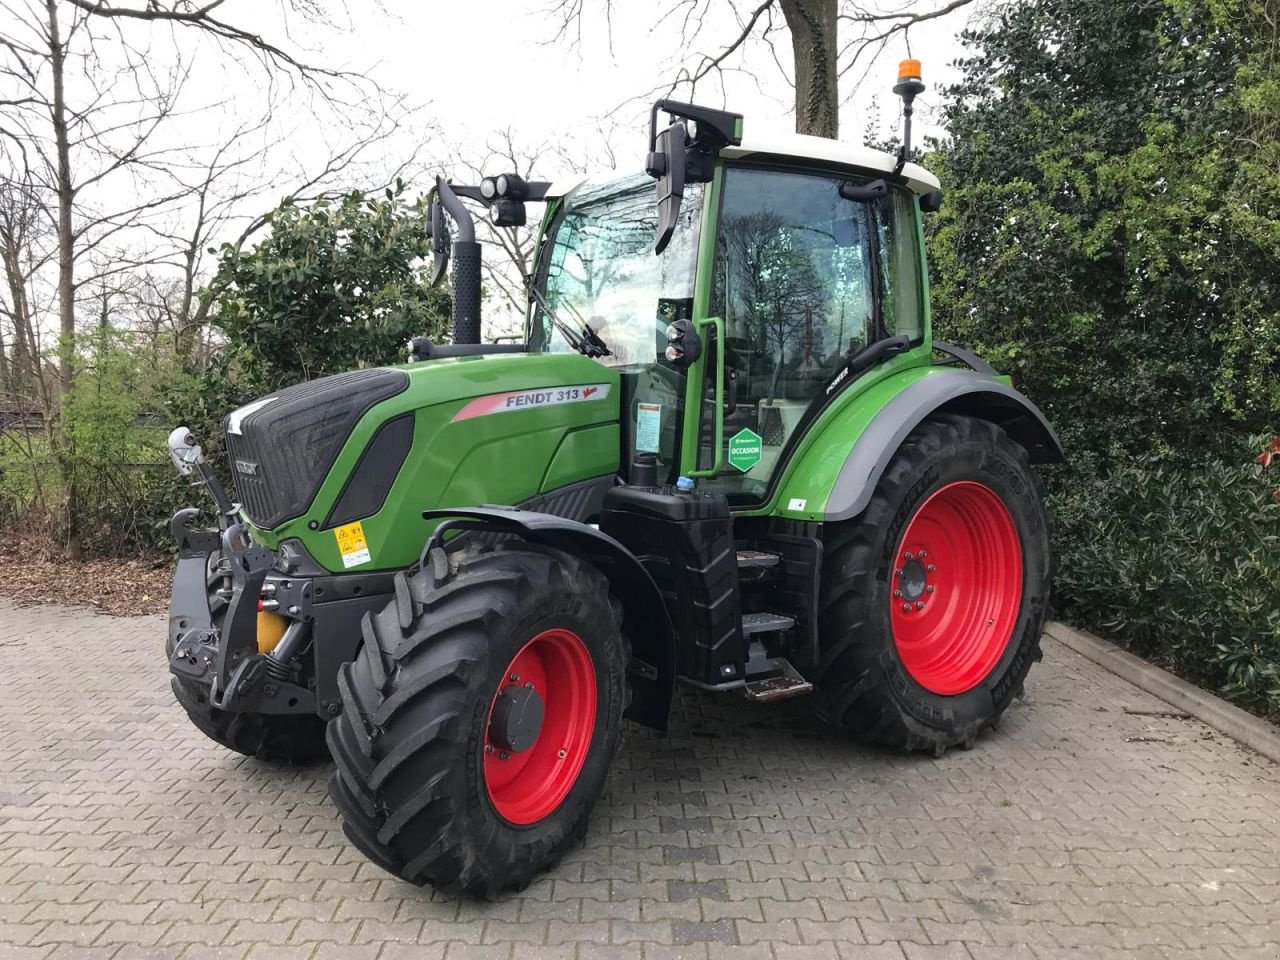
<point x="666" y="163"/>
<point x="864" y="192"/>
<point x="684" y="346"/>
<point x="439" y="233"/>
<point x="931" y="202"/>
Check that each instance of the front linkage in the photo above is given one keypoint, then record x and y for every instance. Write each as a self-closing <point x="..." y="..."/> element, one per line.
<point x="222" y="584"/>
<point x="241" y="621"/>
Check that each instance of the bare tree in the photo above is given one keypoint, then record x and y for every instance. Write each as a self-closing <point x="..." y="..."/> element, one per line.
<point x="71" y="141"/>
<point x="86" y="106"/>
<point x="25" y="248"/>
<point x="206" y="16"/>
<point x="831" y="41"/>
<point x="218" y="189"/>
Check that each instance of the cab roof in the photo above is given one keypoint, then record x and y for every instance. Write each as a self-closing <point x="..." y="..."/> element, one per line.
<point x="800" y="147"/>
<point x="797" y="147"/>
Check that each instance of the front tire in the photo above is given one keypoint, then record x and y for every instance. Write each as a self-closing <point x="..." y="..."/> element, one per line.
<point x="292" y="739"/>
<point x="934" y="598"/>
<point x="480" y="719"/>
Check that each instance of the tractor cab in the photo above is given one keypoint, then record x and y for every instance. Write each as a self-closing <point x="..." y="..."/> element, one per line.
<point x="795" y="264"/>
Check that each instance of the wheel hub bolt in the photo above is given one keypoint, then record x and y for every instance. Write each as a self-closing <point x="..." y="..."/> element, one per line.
<point x="504" y="755"/>
<point x="562" y="753"/>
<point x="906" y="608"/>
<point x="897" y="593"/>
<point x="919" y="604"/>
<point x="923" y="554"/>
<point x="928" y="588"/>
<point x="931" y="567"/>
<point x="909" y="556"/>
<point x="514" y="678"/>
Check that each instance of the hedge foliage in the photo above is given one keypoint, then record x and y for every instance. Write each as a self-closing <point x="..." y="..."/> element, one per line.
<point x="1182" y="563"/>
<point x="1111" y="238"/>
<point x="328" y="286"/>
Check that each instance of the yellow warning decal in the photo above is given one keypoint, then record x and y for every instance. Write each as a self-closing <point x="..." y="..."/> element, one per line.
<point x="352" y="545"/>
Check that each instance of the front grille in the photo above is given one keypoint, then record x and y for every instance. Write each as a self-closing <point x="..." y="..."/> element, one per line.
<point x="253" y="491"/>
<point x="287" y="446"/>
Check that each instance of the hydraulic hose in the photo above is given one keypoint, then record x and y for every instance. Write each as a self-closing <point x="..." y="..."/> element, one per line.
<point x="288" y="647"/>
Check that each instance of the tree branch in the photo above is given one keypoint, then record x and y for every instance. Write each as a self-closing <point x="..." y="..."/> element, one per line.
<point x="202" y="18"/>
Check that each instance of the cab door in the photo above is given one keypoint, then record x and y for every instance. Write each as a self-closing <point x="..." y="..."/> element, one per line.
<point x="801" y="280"/>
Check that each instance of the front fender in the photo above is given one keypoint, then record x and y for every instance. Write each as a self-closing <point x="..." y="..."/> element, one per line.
<point x="652" y="668"/>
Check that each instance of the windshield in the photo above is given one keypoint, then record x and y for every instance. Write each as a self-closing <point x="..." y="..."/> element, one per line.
<point x="600" y="270"/>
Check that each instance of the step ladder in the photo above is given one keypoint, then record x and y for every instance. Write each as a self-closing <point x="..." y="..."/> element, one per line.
<point x="757" y="559"/>
<point x="770" y="678"/>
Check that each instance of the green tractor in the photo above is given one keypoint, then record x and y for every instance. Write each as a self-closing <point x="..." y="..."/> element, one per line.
<point x="728" y="454"/>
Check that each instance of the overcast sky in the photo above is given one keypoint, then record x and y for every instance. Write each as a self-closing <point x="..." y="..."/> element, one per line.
<point x="483" y="68"/>
<point x="466" y="70"/>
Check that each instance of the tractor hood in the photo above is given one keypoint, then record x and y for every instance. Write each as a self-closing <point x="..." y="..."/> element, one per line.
<point x="376" y="447"/>
<point x="282" y="445"/>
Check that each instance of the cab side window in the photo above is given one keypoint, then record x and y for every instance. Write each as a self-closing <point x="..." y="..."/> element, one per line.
<point x="899" y="253"/>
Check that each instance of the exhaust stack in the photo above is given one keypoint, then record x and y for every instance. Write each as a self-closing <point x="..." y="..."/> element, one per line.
<point x="466" y="262"/>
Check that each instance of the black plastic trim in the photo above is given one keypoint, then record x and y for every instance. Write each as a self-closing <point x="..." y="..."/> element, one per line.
<point x="367" y="487"/>
<point x="421" y="348"/>
<point x="287" y="446"/>
<point x="967" y="357"/>
<point x="963" y="391"/>
<point x="336" y="639"/>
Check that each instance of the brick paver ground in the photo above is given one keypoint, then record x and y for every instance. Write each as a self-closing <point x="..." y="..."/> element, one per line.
<point x="1093" y="824"/>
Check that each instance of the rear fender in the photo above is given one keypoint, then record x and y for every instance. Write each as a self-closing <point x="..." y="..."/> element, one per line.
<point x="652" y="668"/>
<point x="969" y="392"/>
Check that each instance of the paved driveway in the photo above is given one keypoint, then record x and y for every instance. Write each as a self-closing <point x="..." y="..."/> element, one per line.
<point x="1093" y="824"/>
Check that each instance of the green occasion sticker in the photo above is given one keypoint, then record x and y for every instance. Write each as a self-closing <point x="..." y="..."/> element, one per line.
<point x="745" y="449"/>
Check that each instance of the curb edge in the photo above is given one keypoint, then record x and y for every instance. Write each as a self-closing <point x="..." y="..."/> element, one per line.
<point x="1243" y="727"/>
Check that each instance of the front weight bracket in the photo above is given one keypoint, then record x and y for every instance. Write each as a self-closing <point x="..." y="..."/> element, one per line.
<point x="249" y="567"/>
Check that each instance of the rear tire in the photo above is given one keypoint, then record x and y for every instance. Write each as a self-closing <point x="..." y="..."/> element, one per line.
<point x="423" y="788"/>
<point x="934" y="664"/>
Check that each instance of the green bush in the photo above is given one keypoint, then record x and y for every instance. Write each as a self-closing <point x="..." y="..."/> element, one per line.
<point x="332" y="286"/>
<point x="116" y="452"/>
<point x="1182" y="564"/>
<point x="1116" y="254"/>
<point x="107" y="443"/>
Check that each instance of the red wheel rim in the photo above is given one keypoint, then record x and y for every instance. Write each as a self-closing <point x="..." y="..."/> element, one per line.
<point x="957" y="587"/>
<point x="528" y="785"/>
